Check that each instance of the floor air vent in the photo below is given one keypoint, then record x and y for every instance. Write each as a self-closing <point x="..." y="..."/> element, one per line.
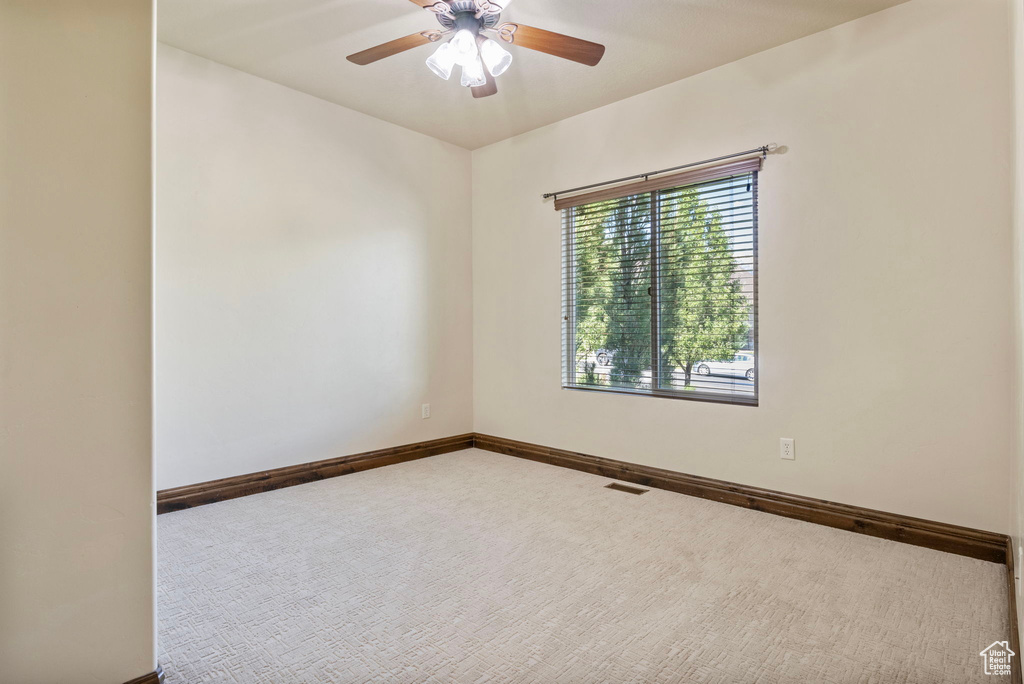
<point x="625" y="488"/>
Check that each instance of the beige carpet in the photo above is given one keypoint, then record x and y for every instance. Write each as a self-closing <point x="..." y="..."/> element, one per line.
<point x="477" y="568"/>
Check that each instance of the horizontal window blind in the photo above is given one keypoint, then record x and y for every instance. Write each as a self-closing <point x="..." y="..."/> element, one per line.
<point x="659" y="289"/>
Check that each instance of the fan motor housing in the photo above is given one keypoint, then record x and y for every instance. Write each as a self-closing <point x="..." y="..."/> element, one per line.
<point x="465" y="17"/>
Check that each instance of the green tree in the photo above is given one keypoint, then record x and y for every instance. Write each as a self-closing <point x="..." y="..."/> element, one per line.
<point x="612" y="260"/>
<point x="592" y="286"/>
<point x="627" y="257"/>
<point x="704" y="313"/>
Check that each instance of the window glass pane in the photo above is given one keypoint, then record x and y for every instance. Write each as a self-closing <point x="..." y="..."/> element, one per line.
<point x="611" y="306"/>
<point x="692" y="263"/>
<point x="705" y="279"/>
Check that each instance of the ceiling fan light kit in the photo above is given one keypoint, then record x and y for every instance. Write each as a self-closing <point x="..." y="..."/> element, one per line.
<point x="442" y="61"/>
<point x="480" y="57"/>
<point x="464" y="43"/>
<point x="496" y="58"/>
<point x="473" y="73"/>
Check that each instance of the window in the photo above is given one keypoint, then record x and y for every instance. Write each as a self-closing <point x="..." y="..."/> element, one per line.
<point x="660" y="287"/>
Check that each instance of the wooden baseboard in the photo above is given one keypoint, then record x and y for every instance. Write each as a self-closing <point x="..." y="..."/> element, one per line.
<point x="154" y="677"/>
<point x="964" y="541"/>
<point x="180" y="498"/>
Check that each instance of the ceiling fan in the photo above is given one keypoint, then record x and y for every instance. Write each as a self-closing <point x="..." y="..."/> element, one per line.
<point x="481" y="57"/>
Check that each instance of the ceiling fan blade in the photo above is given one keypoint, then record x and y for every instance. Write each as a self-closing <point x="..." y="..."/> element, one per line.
<point x="489" y="88"/>
<point x="566" y="47"/>
<point x="392" y="47"/>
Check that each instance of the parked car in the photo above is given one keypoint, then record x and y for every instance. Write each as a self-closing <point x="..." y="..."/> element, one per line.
<point x="741" y="366"/>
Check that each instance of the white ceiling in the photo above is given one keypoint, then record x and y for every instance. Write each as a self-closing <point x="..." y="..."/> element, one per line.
<point x="303" y="43"/>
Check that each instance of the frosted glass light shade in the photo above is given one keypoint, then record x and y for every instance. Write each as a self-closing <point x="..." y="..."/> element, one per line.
<point x="497" y="58"/>
<point x="464" y="44"/>
<point x="473" y="74"/>
<point x="442" y="61"/>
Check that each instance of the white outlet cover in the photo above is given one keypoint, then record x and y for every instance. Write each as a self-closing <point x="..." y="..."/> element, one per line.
<point x="425" y="410"/>
<point x="787" y="448"/>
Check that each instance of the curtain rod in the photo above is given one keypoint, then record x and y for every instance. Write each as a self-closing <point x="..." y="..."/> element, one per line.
<point x="764" y="150"/>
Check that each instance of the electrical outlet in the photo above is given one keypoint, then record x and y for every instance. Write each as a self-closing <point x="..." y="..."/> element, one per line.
<point x="787" y="448"/>
<point x="425" y="410"/>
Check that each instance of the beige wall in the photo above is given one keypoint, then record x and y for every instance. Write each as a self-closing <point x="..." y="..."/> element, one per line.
<point x="76" y="502"/>
<point x="313" y="278"/>
<point x="885" y="267"/>
<point x="1017" y="479"/>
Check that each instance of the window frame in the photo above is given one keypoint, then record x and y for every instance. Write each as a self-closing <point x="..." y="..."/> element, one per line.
<point x="569" y="370"/>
